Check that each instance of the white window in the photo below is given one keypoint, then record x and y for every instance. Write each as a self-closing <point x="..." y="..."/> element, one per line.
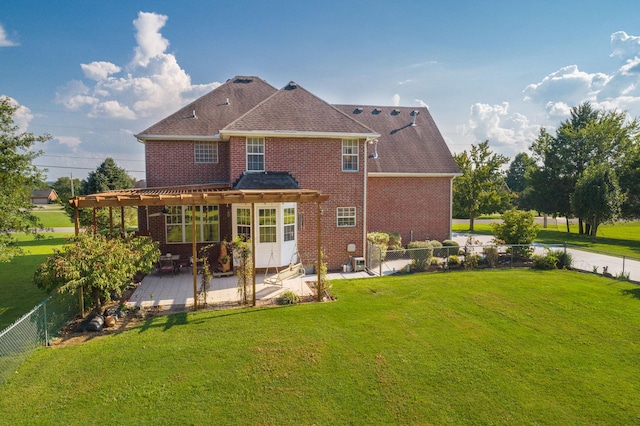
<point x="179" y="225"/>
<point x="289" y="224"/>
<point x="243" y="220"/>
<point x="267" y="225"/>
<point x="350" y="155"/>
<point x="206" y="152"/>
<point x="346" y="216"/>
<point x="255" y="154"/>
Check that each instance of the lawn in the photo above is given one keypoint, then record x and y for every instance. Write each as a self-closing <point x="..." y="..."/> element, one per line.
<point x="52" y="218"/>
<point x="17" y="292"/>
<point x="480" y="347"/>
<point x="622" y="238"/>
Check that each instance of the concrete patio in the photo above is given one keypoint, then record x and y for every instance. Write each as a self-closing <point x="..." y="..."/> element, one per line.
<point x="174" y="292"/>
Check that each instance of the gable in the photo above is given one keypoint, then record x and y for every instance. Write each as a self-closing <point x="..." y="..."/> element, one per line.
<point x="294" y="110"/>
<point x="204" y="117"/>
<point x="402" y="146"/>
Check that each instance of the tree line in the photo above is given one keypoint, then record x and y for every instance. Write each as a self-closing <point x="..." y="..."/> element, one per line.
<point x="588" y="169"/>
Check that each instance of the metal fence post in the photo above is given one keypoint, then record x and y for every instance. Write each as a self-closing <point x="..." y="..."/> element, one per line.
<point x="46" y="329"/>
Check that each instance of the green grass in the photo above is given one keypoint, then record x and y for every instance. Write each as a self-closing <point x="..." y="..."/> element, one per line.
<point x="53" y="217"/>
<point x="622" y="238"/>
<point x="481" y="347"/>
<point x="17" y="292"/>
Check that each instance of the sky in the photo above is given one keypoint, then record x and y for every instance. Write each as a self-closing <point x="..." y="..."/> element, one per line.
<point x="92" y="74"/>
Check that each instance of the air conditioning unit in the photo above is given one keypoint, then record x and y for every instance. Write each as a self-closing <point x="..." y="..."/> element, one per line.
<point x="357" y="263"/>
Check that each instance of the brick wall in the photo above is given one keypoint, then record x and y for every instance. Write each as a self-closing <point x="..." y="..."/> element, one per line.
<point x="316" y="163"/>
<point x="172" y="163"/>
<point x="416" y="206"/>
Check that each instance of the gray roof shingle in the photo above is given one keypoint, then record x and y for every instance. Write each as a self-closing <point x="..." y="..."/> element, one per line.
<point x="212" y="110"/>
<point x="402" y="147"/>
<point x="294" y="109"/>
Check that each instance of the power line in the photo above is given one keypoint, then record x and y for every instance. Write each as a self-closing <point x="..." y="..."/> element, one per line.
<point x="87" y="158"/>
<point x="82" y="168"/>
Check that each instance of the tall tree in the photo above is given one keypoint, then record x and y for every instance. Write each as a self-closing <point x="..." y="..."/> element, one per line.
<point x="107" y="177"/>
<point x="517" y="179"/>
<point x="66" y="187"/>
<point x="481" y="188"/>
<point x="597" y="196"/>
<point x="589" y="135"/>
<point x="18" y="177"/>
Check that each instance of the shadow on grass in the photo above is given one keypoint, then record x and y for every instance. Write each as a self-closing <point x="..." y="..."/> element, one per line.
<point x="633" y="292"/>
<point x="181" y="318"/>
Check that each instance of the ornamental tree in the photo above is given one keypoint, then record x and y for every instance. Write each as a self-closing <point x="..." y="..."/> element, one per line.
<point x="98" y="265"/>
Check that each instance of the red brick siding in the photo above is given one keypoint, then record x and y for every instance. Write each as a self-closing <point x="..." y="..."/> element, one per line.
<point x="316" y="164"/>
<point x="412" y="206"/>
<point x="172" y="163"/>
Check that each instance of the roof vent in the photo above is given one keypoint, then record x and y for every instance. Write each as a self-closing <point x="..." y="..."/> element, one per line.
<point x="292" y="85"/>
<point x="376" y="111"/>
<point x="414" y="114"/>
<point x="227" y="102"/>
<point x="358" y="110"/>
<point x="243" y="80"/>
<point x="395" y="112"/>
<point x="193" y="114"/>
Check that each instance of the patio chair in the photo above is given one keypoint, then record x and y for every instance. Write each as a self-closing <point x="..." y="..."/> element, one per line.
<point x="166" y="264"/>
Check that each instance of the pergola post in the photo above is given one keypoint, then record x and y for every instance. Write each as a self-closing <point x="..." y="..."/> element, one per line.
<point x="195" y="257"/>
<point x="319" y="267"/>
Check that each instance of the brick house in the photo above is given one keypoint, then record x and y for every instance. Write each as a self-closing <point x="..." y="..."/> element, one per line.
<point x="383" y="168"/>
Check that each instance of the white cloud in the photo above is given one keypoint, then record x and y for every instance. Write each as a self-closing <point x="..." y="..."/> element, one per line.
<point x="4" y="41"/>
<point x="512" y="131"/>
<point x="150" y="41"/>
<point x="99" y="70"/>
<point x="568" y="85"/>
<point x="625" y="46"/>
<point x="71" y="142"/>
<point x="395" y="100"/>
<point x="22" y="116"/>
<point x="154" y="85"/>
<point x="421" y="103"/>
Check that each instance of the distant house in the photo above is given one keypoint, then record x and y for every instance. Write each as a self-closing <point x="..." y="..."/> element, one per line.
<point x="383" y="168"/>
<point x="43" y="196"/>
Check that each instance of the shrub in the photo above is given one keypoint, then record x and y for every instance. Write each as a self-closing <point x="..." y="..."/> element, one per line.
<point x="471" y="261"/>
<point x="517" y="227"/>
<point x="547" y="261"/>
<point x="450" y="247"/>
<point x="288" y="298"/>
<point x="420" y="253"/>
<point x="380" y="242"/>
<point x="437" y="249"/>
<point x="491" y="255"/>
<point x="395" y="241"/>
<point x="565" y="260"/>
<point x="453" y="260"/>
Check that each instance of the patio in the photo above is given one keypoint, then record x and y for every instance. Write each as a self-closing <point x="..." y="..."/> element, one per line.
<point x="175" y="292"/>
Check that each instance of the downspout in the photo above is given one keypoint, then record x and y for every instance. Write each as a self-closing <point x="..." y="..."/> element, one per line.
<point x="451" y="206"/>
<point x="364" y="205"/>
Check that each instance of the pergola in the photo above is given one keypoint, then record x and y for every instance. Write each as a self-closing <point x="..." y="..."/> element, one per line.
<point x="201" y="195"/>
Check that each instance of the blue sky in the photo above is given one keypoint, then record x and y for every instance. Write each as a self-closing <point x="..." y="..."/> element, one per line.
<point x="92" y="74"/>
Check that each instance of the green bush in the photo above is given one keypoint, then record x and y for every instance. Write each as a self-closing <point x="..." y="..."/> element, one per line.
<point x="471" y="261"/>
<point x="420" y="253"/>
<point x="547" y="261"/>
<point x="491" y="255"/>
<point x="517" y="227"/>
<point x="453" y="260"/>
<point x="395" y="241"/>
<point x="437" y="249"/>
<point x="565" y="260"/>
<point x="288" y="298"/>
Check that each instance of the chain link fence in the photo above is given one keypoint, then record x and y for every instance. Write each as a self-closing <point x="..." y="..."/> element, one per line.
<point x="385" y="262"/>
<point x="35" y="329"/>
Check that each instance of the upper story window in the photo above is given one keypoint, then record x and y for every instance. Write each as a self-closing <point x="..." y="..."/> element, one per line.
<point x="346" y="217"/>
<point x="349" y="155"/>
<point x="206" y="152"/>
<point x="255" y="154"/>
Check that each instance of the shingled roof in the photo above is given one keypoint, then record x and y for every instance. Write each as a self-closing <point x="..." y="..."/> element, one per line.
<point x="409" y="141"/>
<point x="204" y="117"/>
<point x="295" y="110"/>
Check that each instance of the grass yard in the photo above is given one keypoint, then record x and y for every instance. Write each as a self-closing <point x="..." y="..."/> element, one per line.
<point x="17" y="292"/>
<point x="481" y="347"/>
<point x="622" y="238"/>
<point x="53" y="217"/>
